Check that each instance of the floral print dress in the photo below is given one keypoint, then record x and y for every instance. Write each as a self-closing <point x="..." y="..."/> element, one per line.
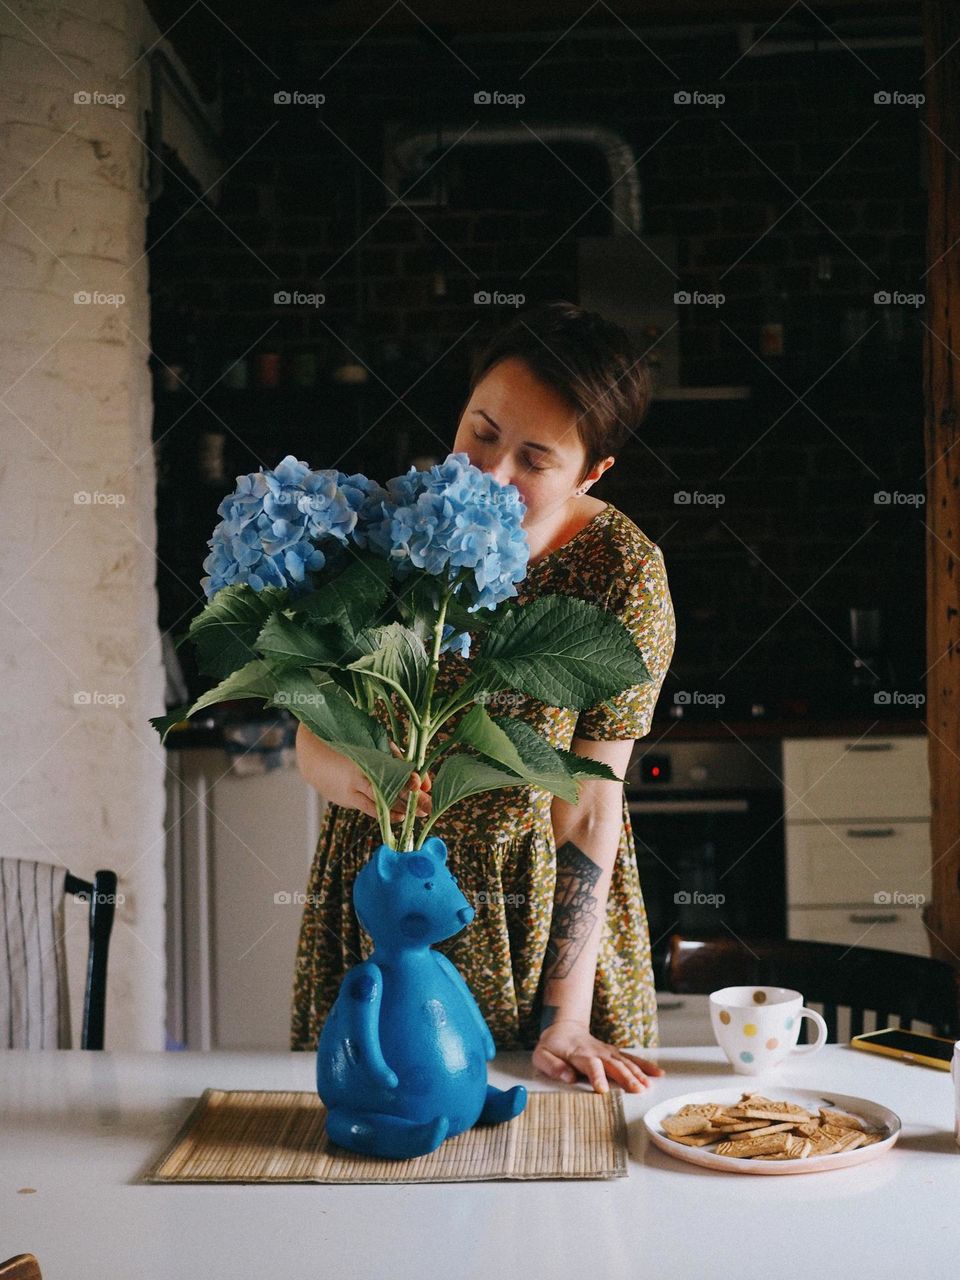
<point x="501" y="844"/>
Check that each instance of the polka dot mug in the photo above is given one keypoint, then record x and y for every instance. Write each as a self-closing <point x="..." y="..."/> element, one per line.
<point x="757" y="1027"/>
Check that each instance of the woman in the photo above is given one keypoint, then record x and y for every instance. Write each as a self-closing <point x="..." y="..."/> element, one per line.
<point x="558" y="954"/>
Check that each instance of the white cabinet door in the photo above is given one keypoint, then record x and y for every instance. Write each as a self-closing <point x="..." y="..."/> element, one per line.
<point x="888" y="928"/>
<point x="854" y="862"/>
<point x="858" y="841"/>
<point x="838" y="778"/>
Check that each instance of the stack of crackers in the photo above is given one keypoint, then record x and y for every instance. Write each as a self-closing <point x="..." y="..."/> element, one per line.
<point x="757" y="1128"/>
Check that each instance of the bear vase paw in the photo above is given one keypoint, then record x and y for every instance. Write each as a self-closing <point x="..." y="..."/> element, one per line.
<point x="375" y="1133"/>
<point x="502" y="1105"/>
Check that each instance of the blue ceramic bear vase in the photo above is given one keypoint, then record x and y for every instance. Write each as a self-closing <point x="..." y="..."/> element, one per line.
<point x="401" y="1059"/>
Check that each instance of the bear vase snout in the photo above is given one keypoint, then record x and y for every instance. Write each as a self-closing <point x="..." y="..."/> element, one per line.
<point x="465" y="915"/>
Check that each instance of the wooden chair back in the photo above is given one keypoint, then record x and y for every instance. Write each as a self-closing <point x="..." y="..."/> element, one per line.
<point x="23" y="1267"/>
<point x="889" y="983"/>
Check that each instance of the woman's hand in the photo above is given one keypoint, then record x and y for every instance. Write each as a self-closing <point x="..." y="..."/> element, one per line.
<point x="343" y="783"/>
<point x="424" y="802"/>
<point x="567" y="1048"/>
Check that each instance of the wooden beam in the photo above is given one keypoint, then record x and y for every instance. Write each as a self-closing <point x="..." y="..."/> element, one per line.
<point x="380" y="18"/>
<point x="941" y="84"/>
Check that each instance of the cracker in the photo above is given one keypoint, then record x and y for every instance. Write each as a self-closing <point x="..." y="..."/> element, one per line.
<point x="699" y="1139"/>
<point x="753" y="1146"/>
<point x="708" y="1109"/>
<point x="851" y="1141"/>
<point x="798" y="1148"/>
<point x="772" y="1111"/>
<point x="771" y="1128"/>
<point x="841" y="1119"/>
<point x="808" y="1127"/>
<point x="683" y="1126"/>
<point x="760" y="1128"/>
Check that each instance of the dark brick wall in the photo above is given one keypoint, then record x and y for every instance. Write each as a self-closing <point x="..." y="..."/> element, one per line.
<point x="790" y="481"/>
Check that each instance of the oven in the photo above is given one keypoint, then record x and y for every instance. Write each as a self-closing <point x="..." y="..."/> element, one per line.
<point x="707" y="820"/>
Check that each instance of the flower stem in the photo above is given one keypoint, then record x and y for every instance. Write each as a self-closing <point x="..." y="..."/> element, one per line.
<point x="420" y="735"/>
<point x="383" y="817"/>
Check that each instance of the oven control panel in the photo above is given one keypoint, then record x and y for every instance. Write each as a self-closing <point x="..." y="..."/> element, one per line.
<point x="706" y="766"/>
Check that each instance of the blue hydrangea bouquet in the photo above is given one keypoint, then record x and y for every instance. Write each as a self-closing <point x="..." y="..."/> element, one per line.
<point x="328" y="594"/>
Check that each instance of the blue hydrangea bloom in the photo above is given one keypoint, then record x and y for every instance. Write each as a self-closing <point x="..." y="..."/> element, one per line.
<point x="459" y="642"/>
<point x="365" y="496"/>
<point x="275" y="524"/>
<point x="456" y="522"/>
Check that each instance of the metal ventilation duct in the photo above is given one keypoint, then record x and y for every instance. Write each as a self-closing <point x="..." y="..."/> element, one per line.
<point x="411" y="150"/>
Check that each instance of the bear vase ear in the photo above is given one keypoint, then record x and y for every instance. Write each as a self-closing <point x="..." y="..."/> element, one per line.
<point x="435" y="846"/>
<point x="387" y="862"/>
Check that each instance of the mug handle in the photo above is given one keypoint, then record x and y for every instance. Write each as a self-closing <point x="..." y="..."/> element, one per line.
<point x="821" y="1039"/>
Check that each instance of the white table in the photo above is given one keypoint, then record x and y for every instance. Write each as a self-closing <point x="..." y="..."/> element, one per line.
<point x="81" y="1127"/>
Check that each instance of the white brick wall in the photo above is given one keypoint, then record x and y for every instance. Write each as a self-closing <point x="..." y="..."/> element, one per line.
<point x="80" y="784"/>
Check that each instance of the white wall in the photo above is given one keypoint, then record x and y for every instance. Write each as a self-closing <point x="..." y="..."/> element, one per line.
<point x="80" y="784"/>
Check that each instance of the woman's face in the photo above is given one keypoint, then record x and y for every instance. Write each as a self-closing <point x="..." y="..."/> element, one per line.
<point x="522" y="433"/>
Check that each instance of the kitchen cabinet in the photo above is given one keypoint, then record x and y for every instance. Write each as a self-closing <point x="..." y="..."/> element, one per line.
<point x="857" y="841"/>
<point x="239" y="850"/>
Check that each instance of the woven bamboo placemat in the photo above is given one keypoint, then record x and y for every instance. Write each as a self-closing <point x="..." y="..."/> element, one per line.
<point x="274" y="1136"/>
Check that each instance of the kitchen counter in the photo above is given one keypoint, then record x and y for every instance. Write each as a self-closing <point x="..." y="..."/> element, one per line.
<point x="78" y="1128"/>
<point x="809" y="727"/>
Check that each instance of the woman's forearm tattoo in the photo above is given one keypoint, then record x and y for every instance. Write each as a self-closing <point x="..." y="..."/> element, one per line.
<point x="574" y="909"/>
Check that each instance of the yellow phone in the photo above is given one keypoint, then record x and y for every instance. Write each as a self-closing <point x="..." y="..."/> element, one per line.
<point x="929" y="1051"/>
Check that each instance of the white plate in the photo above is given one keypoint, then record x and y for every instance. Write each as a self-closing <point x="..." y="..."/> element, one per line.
<point x="872" y="1112"/>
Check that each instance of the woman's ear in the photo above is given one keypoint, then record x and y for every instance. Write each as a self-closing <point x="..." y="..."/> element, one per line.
<point x="596" y="471"/>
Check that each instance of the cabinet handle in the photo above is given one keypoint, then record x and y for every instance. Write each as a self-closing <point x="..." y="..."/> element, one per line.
<point x="868" y="746"/>
<point x="871" y="833"/>
<point x="880" y="917"/>
<point x="688" y="806"/>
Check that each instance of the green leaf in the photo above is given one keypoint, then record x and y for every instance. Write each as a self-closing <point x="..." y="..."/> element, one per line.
<point x="417" y="602"/>
<point x="387" y="774"/>
<point x="351" y="602"/>
<point x="460" y="776"/>
<point x="163" y="724"/>
<point x="460" y="617"/>
<point x="563" y="651"/>
<point x="255" y="680"/>
<point x="517" y="746"/>
<point x="543" y="766"/>
<point x="582" y="767"/>
<point x="225" y="632"/>
<point x="327" y="710"/>
<point x="319" y="703"/>
<point x="397" y="653"/>
<point x="289" y="644"/>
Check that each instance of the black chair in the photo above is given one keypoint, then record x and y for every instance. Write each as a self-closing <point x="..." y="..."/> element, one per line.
<point x="889" y="983"/>
<point x="102" y="896"/>
<point x="33" y="973"/>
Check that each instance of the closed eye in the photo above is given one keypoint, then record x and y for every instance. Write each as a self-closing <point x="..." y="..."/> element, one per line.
<point x="527" y="462"/>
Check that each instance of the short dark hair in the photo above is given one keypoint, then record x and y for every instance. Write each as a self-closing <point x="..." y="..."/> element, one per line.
<point x="589" y="361"/>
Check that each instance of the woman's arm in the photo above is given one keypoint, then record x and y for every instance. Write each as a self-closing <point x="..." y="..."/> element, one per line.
<point x="587" y="838"/>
